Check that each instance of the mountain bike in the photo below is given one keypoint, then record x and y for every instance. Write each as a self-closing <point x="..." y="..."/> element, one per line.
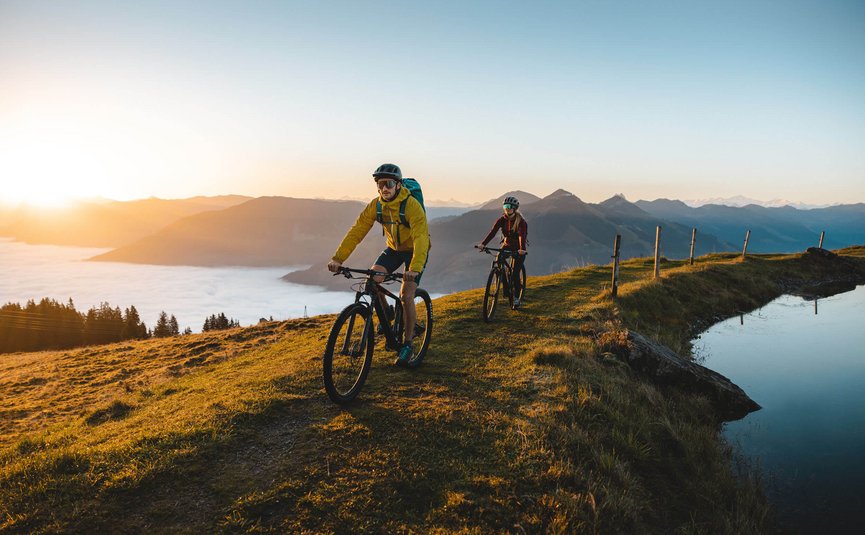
<point x="348" y="353"/>
<point x="501" y="277"/>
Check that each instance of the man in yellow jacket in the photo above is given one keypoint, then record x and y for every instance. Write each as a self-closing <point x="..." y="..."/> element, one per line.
<point x="406" y="244"/>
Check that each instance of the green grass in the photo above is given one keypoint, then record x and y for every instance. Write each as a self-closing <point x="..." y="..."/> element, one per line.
<point x="525" y="424"/>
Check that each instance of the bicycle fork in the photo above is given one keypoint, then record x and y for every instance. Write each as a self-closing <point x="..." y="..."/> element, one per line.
<point x="350" y="347"/>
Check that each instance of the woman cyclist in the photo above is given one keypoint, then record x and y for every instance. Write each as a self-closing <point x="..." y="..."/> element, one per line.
<point x="514" y="234"/>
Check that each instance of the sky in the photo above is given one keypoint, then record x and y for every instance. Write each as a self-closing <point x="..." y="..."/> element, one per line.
<point x="666" y="99"/>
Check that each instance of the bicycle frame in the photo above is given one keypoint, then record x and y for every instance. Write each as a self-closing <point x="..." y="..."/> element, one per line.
<point x="503" y="276"/>
<point x="500" y="263"/>
<point x="371" y="290"/>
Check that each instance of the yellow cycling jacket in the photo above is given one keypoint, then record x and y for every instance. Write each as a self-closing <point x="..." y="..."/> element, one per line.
<point x="415" y="238"/>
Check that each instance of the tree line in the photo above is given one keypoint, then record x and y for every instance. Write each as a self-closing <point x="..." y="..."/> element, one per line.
<point x="50" y="324"/>
<point x="217" y="322"/>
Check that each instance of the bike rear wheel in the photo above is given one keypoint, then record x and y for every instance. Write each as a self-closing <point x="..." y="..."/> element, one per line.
<point x="491" y="295"/>
<point x="348" y="353"/>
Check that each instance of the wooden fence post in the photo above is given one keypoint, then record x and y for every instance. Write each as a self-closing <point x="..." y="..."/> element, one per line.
<point x="693" y="241"/>
<point x="745" y="248"/>
<point x="658" y="252"/>
<point x="616" y="244"/>
<point x="822" y="234"/>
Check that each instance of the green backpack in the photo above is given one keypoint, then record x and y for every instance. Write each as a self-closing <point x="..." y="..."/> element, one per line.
<point x="413" y="187"/>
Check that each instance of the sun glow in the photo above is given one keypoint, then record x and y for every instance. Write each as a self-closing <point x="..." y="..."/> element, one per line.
<point x="50" y="163"/>
<point x="57" y="148"/>
<point x="42" y="176"/>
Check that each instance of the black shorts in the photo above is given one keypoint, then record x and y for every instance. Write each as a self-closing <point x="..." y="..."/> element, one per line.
<point x="391" y="260"/>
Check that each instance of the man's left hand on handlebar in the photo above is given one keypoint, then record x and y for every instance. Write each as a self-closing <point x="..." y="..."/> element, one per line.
<point x="410" y="276"/>
<point x="333" y="266"/>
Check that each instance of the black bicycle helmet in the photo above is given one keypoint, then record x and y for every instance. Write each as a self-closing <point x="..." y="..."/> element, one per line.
<point x="388" y="170"/>
<point x="511" y="200"/>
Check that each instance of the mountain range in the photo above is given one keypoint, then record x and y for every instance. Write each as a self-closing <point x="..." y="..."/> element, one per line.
<point x="784" y="229"/>
<point x="103" y="223"/>
<point x="564" y="231"/>
<point x="741" y="200"/>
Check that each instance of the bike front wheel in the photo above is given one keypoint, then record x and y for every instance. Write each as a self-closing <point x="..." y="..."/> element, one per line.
<point x="522" y="278"/>
<point x="491" y="295"/>
<point x="348" y="353"/>
<point x="508" y="284"/>
<point x="422" y="327"/>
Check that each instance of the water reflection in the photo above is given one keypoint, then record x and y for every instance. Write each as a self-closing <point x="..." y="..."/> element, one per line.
<point x="808" y="372"/>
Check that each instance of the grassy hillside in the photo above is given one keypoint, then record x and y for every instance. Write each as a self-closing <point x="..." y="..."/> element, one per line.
<point x="522" y="425"/>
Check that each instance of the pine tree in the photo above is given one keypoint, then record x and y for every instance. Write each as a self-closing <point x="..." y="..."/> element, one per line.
<point x="173" y="328"/>
<point x="71" y="328"/>
<point x="91" y="327"/>
<point x="132" y="326"/>
<point x="162" y="328"/>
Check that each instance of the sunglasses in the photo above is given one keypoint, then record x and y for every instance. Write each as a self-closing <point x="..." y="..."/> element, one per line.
<point x="509" y="206"/>
<point x="387" y="183"/>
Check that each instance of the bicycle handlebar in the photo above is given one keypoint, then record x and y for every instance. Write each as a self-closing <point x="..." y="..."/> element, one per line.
<point x="347" y="273"/>
<point x="507" y="252"/>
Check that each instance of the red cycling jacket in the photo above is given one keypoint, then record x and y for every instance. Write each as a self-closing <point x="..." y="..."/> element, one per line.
<point x="514" y="232"/>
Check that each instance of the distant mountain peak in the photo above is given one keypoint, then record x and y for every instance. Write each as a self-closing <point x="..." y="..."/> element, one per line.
<point x="559" y="193"/>
<point x="561" y="200"/>
<point x="616" y="199"/>
<point x="496" y="204"/>
<point x="620" y="204"/>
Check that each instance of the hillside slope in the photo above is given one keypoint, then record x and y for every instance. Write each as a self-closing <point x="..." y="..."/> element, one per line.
<point x="520" y="425"/>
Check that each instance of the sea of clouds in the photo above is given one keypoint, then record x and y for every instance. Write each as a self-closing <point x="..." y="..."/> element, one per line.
<point x="190" y="293"/>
